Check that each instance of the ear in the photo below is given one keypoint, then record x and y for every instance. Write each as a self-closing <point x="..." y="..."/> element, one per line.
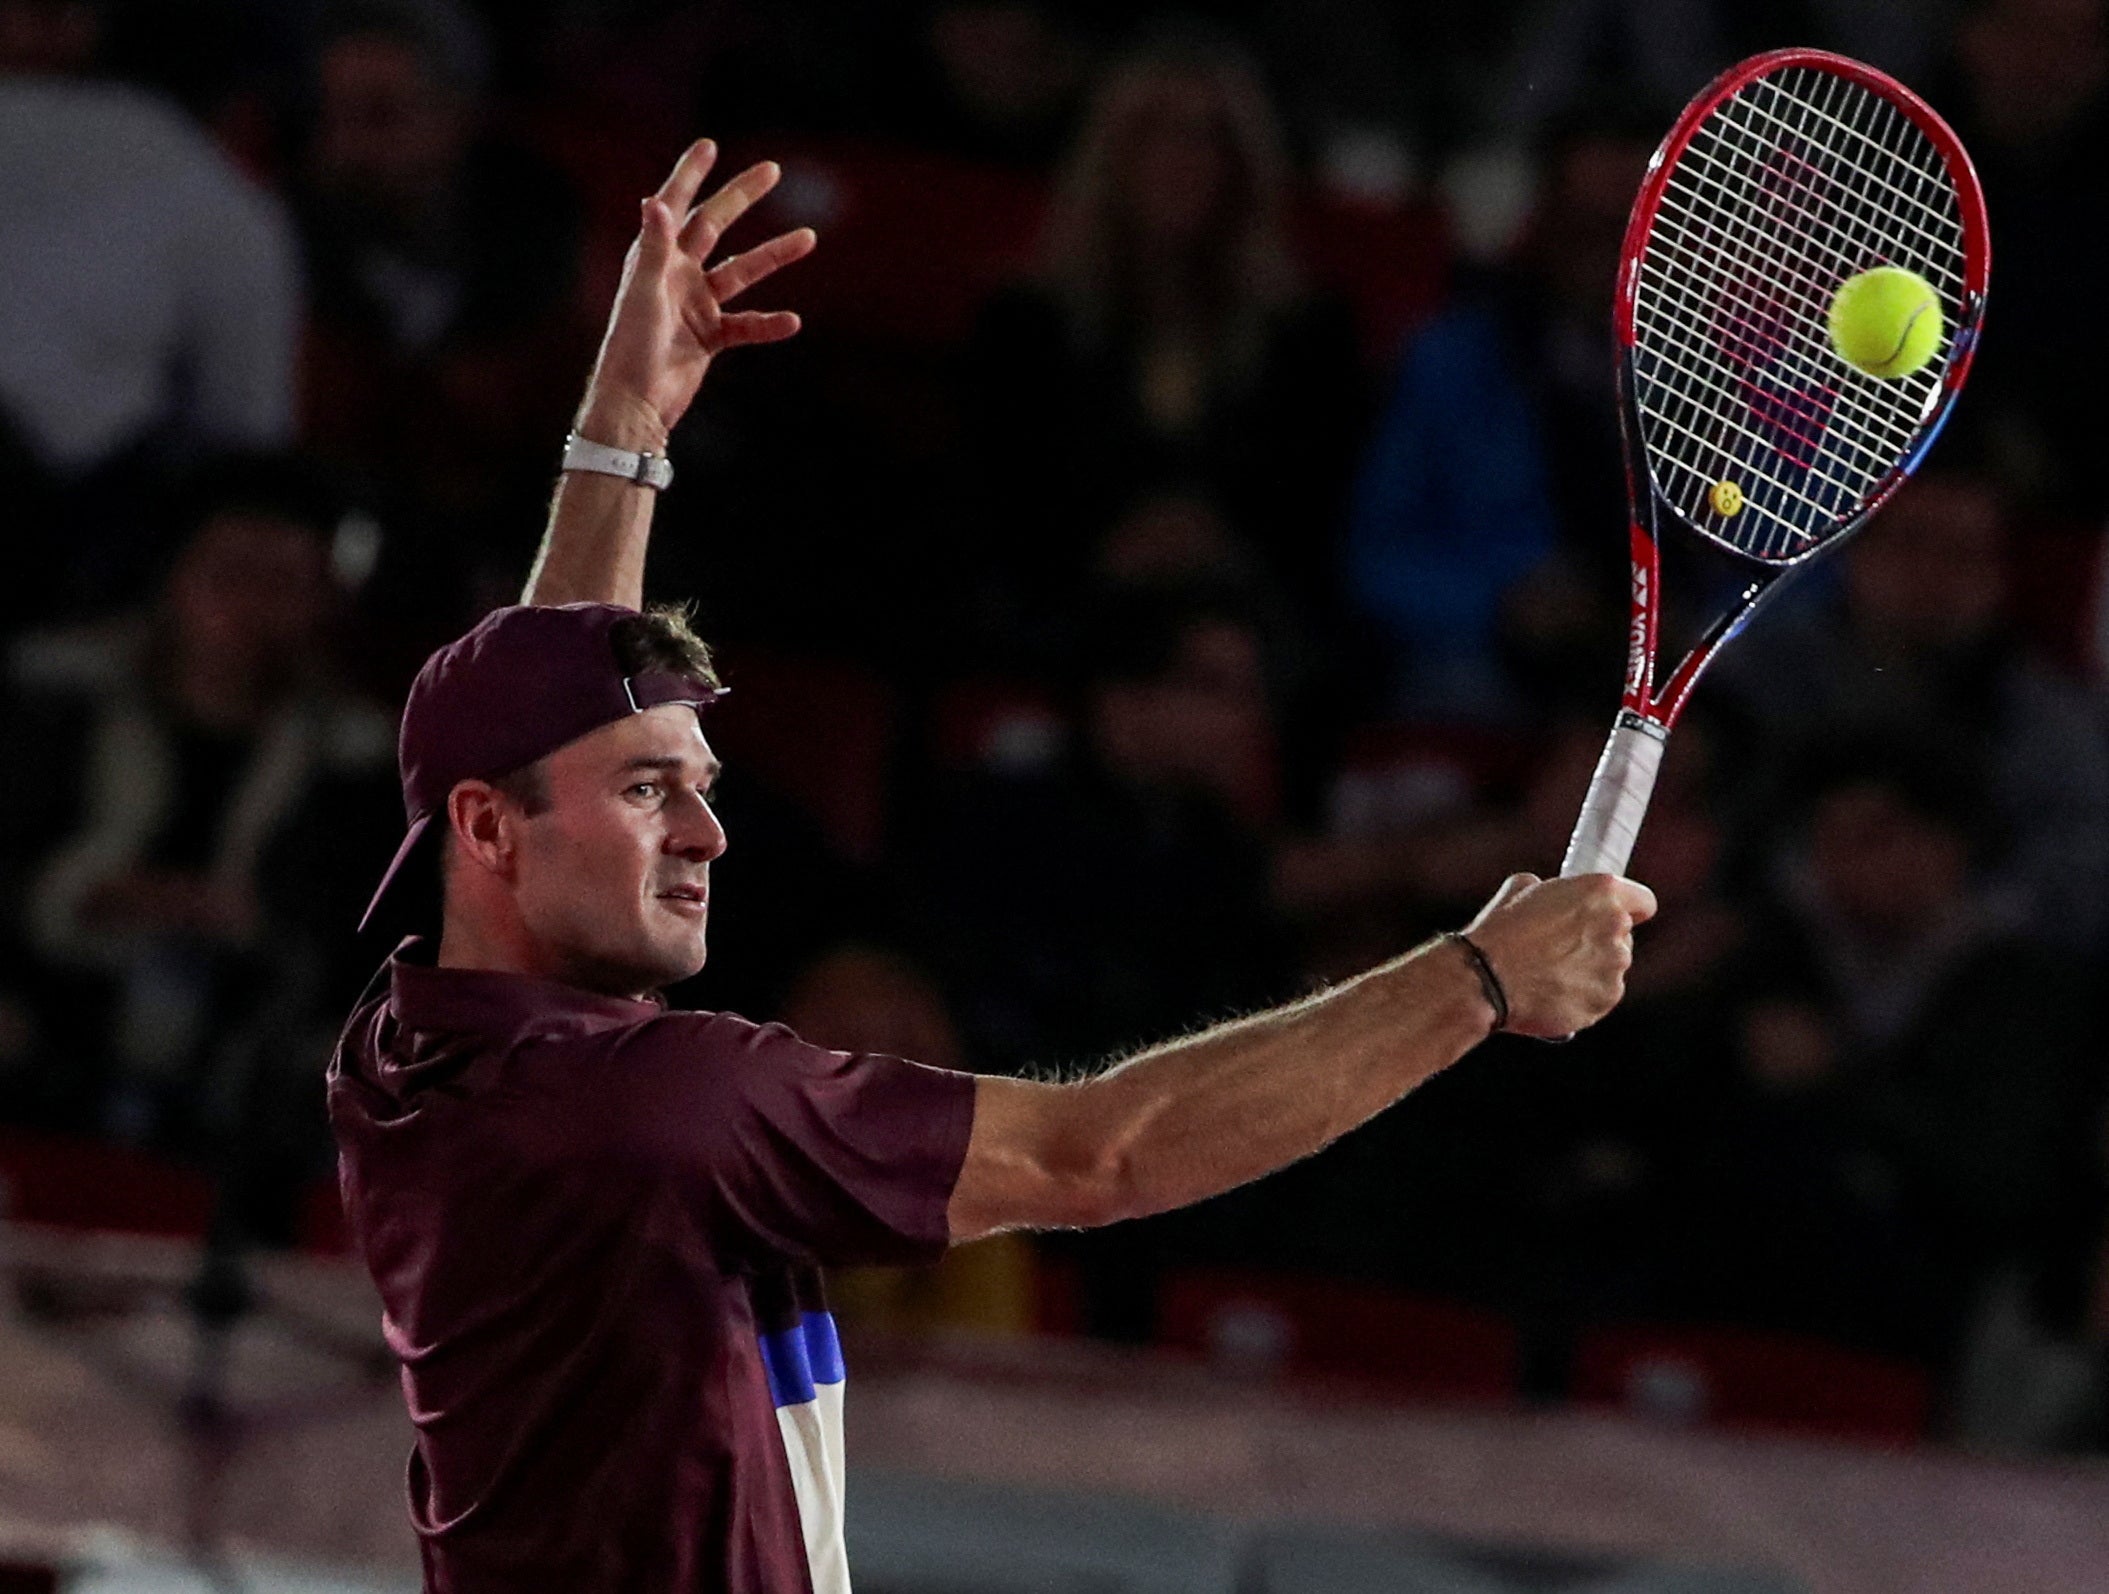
<point x="485" y="825"/>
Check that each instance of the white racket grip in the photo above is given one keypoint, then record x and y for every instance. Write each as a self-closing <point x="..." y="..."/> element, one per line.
<point x="1618" y="798"/>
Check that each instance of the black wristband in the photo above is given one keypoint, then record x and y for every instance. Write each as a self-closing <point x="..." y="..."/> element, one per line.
<point x="1489" y="981"/>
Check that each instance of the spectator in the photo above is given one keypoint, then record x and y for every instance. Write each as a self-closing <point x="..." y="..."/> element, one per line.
<point x="1104" y="902"/>
<point x="1914" y="641"/>
<point x="1909" y="1112"/>
<point x="1361" y="97"/>
<point x="1546" y="1186"/>
<point x="151" y="305"/>
<point x="1650" y="54"/>
<point x="993" y="80"/>
<point x="200" y="889"/>
<point x="1599" y="1133"/>
<point x="1168" y="342"/>
<point x="2033" y="107"/>
<point x="441" y="261"/>
<point x="1493" y="488"/>
<point x="1905" y="38"/>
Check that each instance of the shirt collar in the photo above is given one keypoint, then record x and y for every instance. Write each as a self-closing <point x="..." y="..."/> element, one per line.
<point x="423" y="996"/>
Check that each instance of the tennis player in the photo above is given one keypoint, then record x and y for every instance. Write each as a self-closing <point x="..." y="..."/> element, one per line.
<point x="595" y="1222"/>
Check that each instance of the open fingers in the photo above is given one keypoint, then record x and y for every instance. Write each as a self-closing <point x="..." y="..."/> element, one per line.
<point x="708" y="221"/>
<point x="685" y="181"/>
<point x="743" y="271"/>
<point x="757" y="326"/>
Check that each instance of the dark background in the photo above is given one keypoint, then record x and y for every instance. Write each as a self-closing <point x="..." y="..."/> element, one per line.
<point x="1179" y="564"/>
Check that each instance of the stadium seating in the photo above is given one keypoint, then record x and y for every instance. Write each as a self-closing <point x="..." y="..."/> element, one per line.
<point x="1743" y="1378"/>
<point x="65" y="1182"/>
<point x="1334" y="1331"/>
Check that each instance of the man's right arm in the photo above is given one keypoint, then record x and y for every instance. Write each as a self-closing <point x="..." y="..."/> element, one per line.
<point x="668" y="323"/>
<point x="1205" y="1114"/>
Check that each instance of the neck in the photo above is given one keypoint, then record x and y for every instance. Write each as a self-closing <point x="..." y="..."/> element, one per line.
<point x="500" y="944"/>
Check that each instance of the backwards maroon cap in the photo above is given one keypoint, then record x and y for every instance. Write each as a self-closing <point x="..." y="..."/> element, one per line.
<point x="522" y="684"/>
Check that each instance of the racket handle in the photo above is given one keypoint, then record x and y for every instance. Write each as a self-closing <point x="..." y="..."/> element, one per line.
<point x="1618" y="798"/>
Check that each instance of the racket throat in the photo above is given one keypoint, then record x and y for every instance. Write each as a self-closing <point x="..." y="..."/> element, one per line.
<point x="1618" y="797"/>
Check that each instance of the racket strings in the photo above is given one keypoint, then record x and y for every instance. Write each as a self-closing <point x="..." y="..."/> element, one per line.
<point x="1755" y="318"/>
<point x="1936" y="214"/>
<point x="1794" y="183"/>
<point x="1793" y="209"/>
<point x="1850" y="238"/>
<point x="1692" y="340"/>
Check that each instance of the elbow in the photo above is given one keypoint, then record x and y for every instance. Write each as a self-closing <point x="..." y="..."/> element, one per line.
<point x="1037" y="1195"/>
<point x="1044" y="1157"/>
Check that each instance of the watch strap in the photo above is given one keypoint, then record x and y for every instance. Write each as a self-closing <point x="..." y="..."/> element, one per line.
<point x="646" y="470"/>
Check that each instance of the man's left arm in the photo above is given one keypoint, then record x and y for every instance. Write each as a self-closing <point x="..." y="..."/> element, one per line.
<point x="668" y="323"/>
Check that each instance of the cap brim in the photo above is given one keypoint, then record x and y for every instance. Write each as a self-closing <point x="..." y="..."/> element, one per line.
<point x="396" y="896"/>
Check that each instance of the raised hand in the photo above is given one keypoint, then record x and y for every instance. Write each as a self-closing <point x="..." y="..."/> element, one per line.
<point x="670" y="318"/>
<point x="1561" y="948"/>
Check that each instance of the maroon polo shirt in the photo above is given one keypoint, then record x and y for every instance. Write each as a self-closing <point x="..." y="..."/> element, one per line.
<point x="594" y="1224"/>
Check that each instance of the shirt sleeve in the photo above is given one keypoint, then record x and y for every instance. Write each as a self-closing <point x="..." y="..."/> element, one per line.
<point x="799" y="1153"/>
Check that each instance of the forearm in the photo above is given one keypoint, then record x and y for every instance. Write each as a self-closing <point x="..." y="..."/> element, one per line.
<point x="1205" y="1114"/>
<point x="1202" y="1115"/>
<point x="599" y="526"/>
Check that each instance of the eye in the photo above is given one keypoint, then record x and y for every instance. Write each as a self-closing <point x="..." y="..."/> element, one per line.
<point x="643" y="789"/>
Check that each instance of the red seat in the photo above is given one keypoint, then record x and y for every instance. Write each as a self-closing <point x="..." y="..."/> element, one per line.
<point x="85" y="1184"/>
<point x="1395" y="774"/>
<point x="1335" y="1330"/>
<point x="913" y="242"/>
<point x="1748" y="1379"/>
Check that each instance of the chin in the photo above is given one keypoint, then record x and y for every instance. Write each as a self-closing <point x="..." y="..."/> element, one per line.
<point x="638" y="970"/>
<point x="677" y="963"/>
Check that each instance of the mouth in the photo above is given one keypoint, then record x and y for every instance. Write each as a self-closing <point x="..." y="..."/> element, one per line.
<point x="693" y="901"/>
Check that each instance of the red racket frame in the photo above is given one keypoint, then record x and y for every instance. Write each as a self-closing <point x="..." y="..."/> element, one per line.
<point x="1641" y="701"/>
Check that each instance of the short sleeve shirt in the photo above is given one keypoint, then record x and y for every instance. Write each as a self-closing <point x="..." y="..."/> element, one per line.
<point x="596" y="1225"/>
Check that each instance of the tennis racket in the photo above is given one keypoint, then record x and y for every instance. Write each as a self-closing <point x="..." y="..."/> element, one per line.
<point x="1742" y="425"/>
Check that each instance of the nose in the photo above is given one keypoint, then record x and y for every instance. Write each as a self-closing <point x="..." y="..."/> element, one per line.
<point x="695" y="833"/>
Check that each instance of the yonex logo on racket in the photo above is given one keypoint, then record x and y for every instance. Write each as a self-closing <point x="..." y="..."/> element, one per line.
<point x="1637" y="635"/>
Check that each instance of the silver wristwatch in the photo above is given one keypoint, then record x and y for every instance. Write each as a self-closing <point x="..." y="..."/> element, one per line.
<point x="646" y="470"/>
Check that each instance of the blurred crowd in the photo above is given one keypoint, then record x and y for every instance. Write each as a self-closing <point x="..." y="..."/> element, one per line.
<point x="1179" y="564"/>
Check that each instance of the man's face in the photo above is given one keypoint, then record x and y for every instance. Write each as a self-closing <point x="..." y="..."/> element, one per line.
<point x="612" y="875"/>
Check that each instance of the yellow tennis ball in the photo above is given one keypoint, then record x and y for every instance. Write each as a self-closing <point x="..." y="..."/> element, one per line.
<point x="1886" y="322"/>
